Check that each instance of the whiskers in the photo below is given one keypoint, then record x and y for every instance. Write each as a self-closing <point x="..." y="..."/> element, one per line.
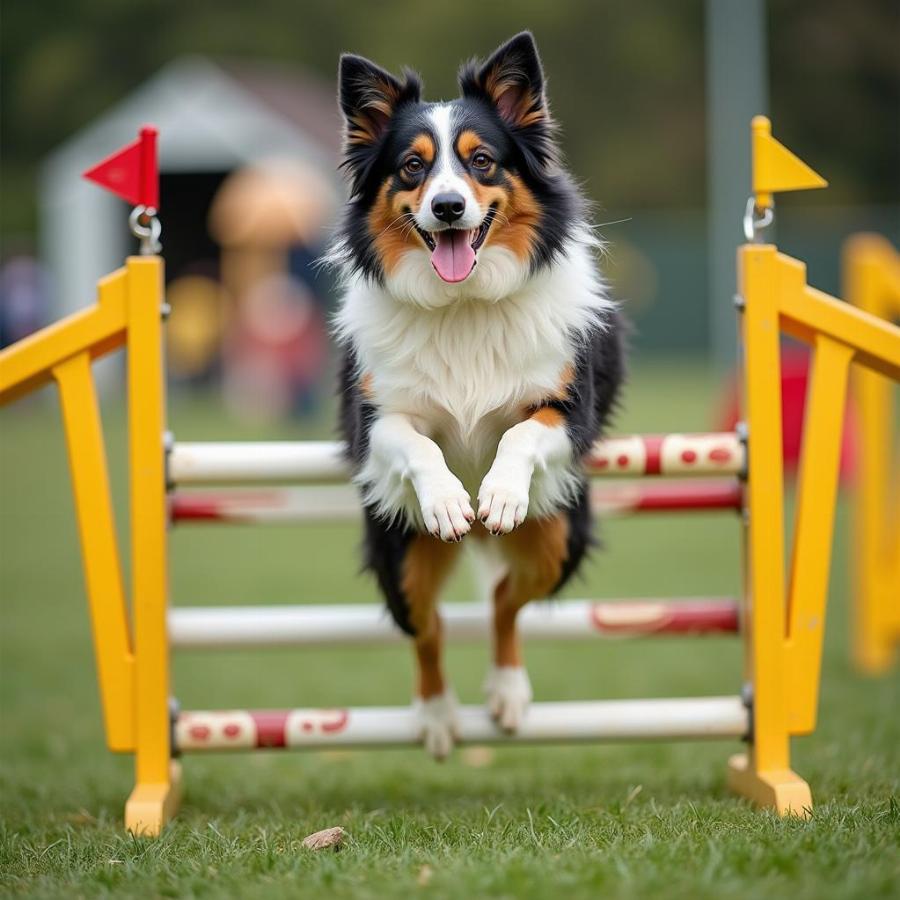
<point x="409" y="227"/>
<point x="614" y="222"/>
<point x="500" y="216"/>
<point x="405" y="222"/>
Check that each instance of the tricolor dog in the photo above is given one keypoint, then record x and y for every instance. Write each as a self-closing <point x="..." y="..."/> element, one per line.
<point x="482" y="353"/>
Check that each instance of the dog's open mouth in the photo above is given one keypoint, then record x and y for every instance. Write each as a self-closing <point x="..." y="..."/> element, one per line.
<point x="454" y="250"/>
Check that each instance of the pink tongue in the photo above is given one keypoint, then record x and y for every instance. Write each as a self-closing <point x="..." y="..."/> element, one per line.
<point x="453" y="257"/>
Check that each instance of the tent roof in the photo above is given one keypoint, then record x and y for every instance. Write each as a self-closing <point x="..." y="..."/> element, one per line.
<point x="215" y="117"/>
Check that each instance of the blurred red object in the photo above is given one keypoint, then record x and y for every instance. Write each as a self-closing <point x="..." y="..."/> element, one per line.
<point x="794" y="379"/>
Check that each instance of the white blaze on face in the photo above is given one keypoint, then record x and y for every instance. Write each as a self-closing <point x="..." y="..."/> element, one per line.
<point x="453" y="257"/>
<point x="445" y="177"/>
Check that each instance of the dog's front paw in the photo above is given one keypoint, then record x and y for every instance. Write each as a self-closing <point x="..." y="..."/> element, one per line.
<point x="436" y="722"/>
<point x="508" y="693"/>
<point x="446" y="508"/>
<point x="503" y="498"/>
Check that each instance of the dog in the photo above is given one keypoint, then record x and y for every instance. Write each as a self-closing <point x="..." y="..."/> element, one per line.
<point x="482" y="354"/>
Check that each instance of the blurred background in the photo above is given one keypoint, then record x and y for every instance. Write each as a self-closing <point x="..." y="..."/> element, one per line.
<point x="654" y="102"/>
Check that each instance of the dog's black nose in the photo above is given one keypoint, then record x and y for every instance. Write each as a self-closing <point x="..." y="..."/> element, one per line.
<point x="448" y="207"/>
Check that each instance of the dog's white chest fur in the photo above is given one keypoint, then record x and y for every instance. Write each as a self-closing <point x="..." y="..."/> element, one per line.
<point x="464" y="360"/>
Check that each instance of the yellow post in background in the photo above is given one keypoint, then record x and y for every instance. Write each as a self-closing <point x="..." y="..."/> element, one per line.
<point x="157" y="789"/>
<point x="872" y="282"/>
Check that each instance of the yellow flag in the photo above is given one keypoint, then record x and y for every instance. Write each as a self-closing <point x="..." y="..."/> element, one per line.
<point x="775" y="168"/>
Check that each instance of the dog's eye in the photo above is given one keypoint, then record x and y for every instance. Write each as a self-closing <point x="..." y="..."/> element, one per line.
<point x="413" y="165"/>
<point x="481" y="160"/>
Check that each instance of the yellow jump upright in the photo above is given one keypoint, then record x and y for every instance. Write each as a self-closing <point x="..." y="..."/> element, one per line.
<point x="872" y="282"/>
<point x="786" y="616"/>
<point x="132" y="660"/>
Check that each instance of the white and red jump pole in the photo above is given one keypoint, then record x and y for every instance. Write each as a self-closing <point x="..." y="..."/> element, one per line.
<point x="685" y="456"/>
<point x="368" y="623"/>
<point x="305" y="461"/>
<point x="338" y="503"/>
<point x="391" y="726"/>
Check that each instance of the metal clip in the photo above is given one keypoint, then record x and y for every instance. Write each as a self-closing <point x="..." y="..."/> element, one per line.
<point x="742" y="429"/>
<point x="753" y="225"/>
<point x="168" y="447"/>
<point x="146" y="226"/>
<point x="174" y="712"/>
<point x="747" y="700"/>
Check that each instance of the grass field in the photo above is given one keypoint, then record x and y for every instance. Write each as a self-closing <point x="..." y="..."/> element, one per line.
<point x="610" y="821"/>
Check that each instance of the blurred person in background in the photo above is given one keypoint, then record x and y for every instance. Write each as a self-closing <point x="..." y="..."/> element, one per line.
<point x="24" y="297"/>
<point x="275" y="353"/>
<point x="268" y="219"/>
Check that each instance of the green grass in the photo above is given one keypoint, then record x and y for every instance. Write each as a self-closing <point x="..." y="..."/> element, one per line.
<point x="610" y="821"/>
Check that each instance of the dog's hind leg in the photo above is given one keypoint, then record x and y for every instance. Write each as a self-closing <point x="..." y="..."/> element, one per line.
<point x="536" y="554"/>
<point x="425" y="567"/>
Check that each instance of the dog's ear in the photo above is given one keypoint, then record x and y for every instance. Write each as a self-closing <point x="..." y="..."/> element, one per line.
<point x="369" y="97"/>
<point x="512" y="79"/>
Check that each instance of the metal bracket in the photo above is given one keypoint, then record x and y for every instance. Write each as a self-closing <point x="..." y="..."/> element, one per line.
<point x="174" y="711"/>
<point x="145" y="226"/>
<point x="742" y="430"/>
<point x="168" y="446"/>
<point x="756" y="219"/>
<point x="747" y="699"/>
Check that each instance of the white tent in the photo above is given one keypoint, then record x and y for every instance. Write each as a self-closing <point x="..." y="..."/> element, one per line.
<point x="211" y="118"/>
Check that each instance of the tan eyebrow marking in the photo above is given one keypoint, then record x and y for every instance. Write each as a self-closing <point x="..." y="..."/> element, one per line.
<point x="423" y="145"/>
<point x="467" y="143"/>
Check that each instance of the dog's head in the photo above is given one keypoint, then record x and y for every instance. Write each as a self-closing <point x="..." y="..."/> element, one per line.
<point x="468" y="193"/>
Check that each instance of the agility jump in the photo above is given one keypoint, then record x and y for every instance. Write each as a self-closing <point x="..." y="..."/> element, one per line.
<point x="782" y="621"/>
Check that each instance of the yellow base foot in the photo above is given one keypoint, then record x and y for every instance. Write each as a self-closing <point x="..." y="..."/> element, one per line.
<point x="150" y="806"/>
<point x="781" y="790"/>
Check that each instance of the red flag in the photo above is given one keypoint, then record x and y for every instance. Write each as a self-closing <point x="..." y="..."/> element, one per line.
<point x="131" y="172"/>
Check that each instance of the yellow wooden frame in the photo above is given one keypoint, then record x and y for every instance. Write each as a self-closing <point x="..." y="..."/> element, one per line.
<point x="132" y="660"/>
<point x="785" y="617"/>
<point x="872" y="283"/>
